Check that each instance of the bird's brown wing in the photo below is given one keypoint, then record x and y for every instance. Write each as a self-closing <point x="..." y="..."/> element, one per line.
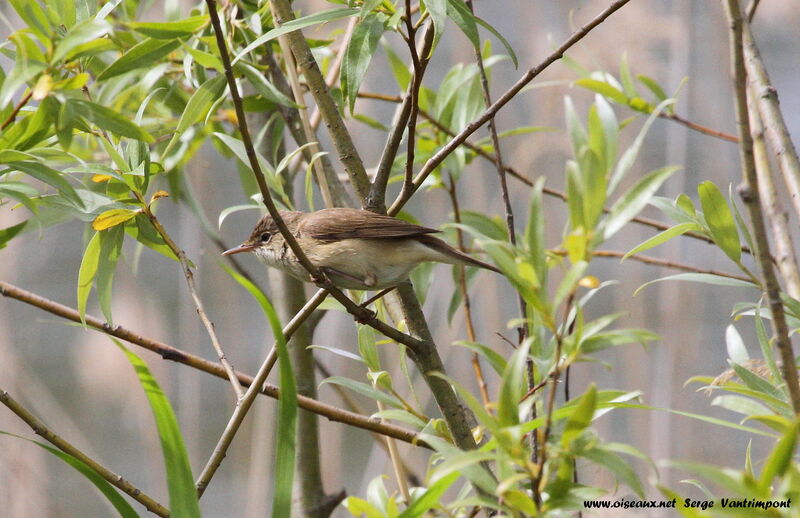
<point x="343" y="223"/>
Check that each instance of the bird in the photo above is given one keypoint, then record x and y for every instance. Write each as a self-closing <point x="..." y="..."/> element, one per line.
<point x="356" y="249"/>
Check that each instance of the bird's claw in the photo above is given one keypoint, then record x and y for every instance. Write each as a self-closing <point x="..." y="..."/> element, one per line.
<point x="364" y="316"/>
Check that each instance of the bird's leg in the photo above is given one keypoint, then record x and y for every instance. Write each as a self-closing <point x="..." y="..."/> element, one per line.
<point x="377" y="296"/>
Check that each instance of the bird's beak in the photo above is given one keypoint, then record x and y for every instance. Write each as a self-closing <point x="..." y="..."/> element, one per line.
<point x="244" y="247"/>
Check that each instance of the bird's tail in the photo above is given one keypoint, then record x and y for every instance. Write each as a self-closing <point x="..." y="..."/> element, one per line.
<point x="454" y="256"/>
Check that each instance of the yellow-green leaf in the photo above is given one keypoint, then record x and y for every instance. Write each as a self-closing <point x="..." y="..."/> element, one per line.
<point x="112" y="218"/>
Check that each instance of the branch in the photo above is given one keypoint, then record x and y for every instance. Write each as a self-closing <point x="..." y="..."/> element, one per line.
<point x="39" y="428"/>
<point x="698" y="127"/>
<point x="749" y="191"/>
<point x="187" y="272"/>
<point x="766" y="97"/>
<point x="15" y="111"/>
<point x="785" y="257"/>
<point x="246" y="401"/>
<point x="336" y="67"/>
<point x="282" y="13"/>
<point x="168" y="352"/>
<point x="308" y="132"/>
<point x="459" y="139"/>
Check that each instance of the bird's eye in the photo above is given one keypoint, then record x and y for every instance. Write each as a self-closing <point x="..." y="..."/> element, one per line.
<point x="265" y="237"/>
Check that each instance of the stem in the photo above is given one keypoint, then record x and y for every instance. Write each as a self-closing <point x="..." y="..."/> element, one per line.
<point x="22" y="102"/>
<point x="778" y="218"/>
<point x="766" y="98"/>
<point x="749" y="191"/>
<point x="308" y="132"/>
<point x="39" y="428"/>
<point x="462" y="284"/>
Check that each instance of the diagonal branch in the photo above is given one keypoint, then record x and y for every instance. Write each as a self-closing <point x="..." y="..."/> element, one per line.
<point x="39" y="428"/>
<point x="168" y="352"/>
<point x="187" y="272"/>
<point x="472" y="127"/>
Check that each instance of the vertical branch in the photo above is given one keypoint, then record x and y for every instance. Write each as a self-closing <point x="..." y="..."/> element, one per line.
<point x="462" y="284"/>
<point x="785" y="257"/>
<point x="377" y="194"/>
<point x="308" y="132"/>
<point x="766" y="97"/>
<point x="749" y="191"/>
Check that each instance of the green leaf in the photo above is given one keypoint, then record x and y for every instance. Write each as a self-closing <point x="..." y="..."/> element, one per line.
<point x="430" y="498"/>
<point x="399" y="68"/>
<point x="625" y="77"/>
<point x="34" y="16"/>
<point x="237" y="147"/>
<point x="84" y="32"/>
<point x="581" y="417"/>
<point x="329" y="15"/>
<point x="604" y="89"/>
<point x="512" y="388"/>
<point x="365" y="390"/>
<point x="143" y="54"/>
<point x="653" y="86"/>
<point x="663" y="237"/>
<point x="502" y="40"/>
<point x="780" y="458"/>
<point x="534" y="231"/>
<point x="180" y="484"/>
<point x="264" y="87"/>
<point x="495" y="359"/>
<point x="437" y="9"/>
<point x="621" y="470"/>
<point x="720" y="220"/>
<point x="633" y="201"/>
<point x="359" y="53"/>
<point x="86" y="273"/>
<point x="171" y="30"/>
<point x="120" y="504"/>
<point x="49" y="176"/>
<point x="109" y="120"/>
<point x="110" y="250"/>
<point x="458" y="11"/>
<point x="287" y="405"/>
<point x="629" y="156"/>
<point x="197" y="107"/>
<point x="705" y="278"/>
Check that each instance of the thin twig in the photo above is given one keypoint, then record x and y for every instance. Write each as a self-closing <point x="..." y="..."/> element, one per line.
<point x="308" y="132"/>
<point x="473" y="126"/>
<point x="168" y="352"/>
<point x="699" y="128"/>
<point x="751" y="10"/>
<point x="462" y="285"/>
<point x="377" y="194"/>
<point x="416" y="82"/>
<point x="22" y="102"/>
<point x="749" y="191"/>
<point x="187" y="272"/>
<point x="40" y="429"/>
